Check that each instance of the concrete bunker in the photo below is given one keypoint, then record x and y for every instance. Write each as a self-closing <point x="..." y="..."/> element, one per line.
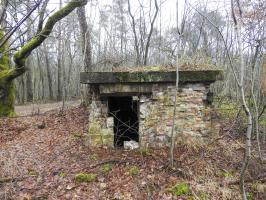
<point x="139" y="106"/>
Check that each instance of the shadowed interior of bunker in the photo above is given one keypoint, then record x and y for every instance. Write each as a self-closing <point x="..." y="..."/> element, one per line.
<point x="124" y="110"/>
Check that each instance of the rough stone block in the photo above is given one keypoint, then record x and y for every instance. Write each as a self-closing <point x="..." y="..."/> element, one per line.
<point x="104" y="110"/>
<point x="163" y="139"/>
<point x="103" y="137"/>
<point x="110" y="122"/>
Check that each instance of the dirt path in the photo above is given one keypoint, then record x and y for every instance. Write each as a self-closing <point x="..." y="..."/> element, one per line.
<point x="29" y="109"/>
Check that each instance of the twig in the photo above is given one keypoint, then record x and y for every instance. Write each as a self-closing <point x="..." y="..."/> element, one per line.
<point x="108" y="162"/>
<point x="6" y="37"/>
<point x="250" y="180"/>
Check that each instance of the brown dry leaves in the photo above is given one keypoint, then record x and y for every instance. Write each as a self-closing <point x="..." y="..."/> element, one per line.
<point x="43" y="163"/>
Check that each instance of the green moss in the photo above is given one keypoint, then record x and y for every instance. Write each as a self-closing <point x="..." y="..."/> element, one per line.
<point x="105" y="168"/>
<point x="144" y="151"/>
<point x="133" y="171"/>
<point x="19" y="60"/>
<point x="85" y="177"/>
<point x="249" y="196"/>
<point x="99" y="135"/>
<point x="33" y="173"/>
<point x="227" y="175"/>
<point x="3" y="74"/>
<point x="138" y="77"/>
<point x="4" y="59"/>
<point x="262" y="122"/>
<point x="152" y="68"/>
<point x="93" y="157"/>
<point x="227" y="111"/>
<point x="7" y="88"/>
<point x="62" y="174"/>
<point x="94" y="128"/>
<point x="179" y="189"/>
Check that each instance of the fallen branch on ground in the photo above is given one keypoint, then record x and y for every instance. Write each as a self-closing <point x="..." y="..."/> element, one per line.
<point x="108" y="162"/>
<point x="10" y="179"/>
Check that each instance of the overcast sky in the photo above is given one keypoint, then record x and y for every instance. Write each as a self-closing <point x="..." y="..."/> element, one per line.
<point x="168" y="9"/>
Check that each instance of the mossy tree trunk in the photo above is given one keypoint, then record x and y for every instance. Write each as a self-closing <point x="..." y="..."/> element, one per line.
<point x="7" y="74"/>
<point x="6" y="86"/>
<point x="7" y="98"/>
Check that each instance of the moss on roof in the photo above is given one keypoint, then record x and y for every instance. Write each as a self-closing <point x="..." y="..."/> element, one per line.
<point x="167" y="68"/>
<point x="150" y="76"/>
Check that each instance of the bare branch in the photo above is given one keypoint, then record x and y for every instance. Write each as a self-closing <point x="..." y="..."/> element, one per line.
<point x="6" y="37"/>
<point x="21" y="55"/>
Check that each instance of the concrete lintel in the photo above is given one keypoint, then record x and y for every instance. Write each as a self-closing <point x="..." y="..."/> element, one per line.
<point x="134" y="89"/>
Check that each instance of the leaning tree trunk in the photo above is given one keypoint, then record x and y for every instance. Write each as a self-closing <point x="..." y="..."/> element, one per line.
<point x="7" y="74"/>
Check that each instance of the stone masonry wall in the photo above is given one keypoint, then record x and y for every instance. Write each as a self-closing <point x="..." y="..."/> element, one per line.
<point x="100" y="129"/>
<point x="193" y="116"/>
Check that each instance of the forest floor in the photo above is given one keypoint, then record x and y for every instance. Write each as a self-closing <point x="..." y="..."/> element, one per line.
<point x="37" y="108"/>
<point x="41" y="155"/>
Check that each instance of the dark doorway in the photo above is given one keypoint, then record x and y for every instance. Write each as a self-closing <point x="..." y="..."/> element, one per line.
<point x="125" y="113"/>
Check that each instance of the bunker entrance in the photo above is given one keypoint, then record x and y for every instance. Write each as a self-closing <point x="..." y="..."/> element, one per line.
<point x="124" y="110"/>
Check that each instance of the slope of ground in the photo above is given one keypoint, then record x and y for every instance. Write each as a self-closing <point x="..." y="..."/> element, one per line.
<point x="41" y="155"/>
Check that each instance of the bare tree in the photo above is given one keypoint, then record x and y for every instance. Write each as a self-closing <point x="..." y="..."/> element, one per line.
<point x="142" y="45"/>
<point x="180" y="33"/>
<point x="86" y="39"/>
<point x="135" y="34"/>
<point x="8" y="75"/>
<point x="247" y="154"/>
<point x="86" y="50"/>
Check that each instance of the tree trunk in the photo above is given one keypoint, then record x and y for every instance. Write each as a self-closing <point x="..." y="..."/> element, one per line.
<point x="7" y="98"/>
<point x="41" y="83"/>
<point x="147" y="46"/>
<point x="3" y="7"/>
<point x="86" y="39"/>
<point x="29" y="87"/>
<point x="59" y="60"/>
<point x="59" y="77"/>
<point x="7" y="87"/>
<point x="173" y="130"/>
<point x="87" y="53"/>
<point x="49" y="73"/>
<point x="7" y="75"/>
<point x="136" y="45"/>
